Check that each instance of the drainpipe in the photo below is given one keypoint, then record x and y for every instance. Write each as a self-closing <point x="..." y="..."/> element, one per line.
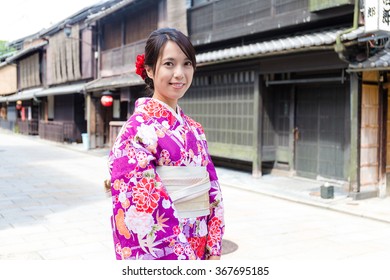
<point x="339" y="47"/>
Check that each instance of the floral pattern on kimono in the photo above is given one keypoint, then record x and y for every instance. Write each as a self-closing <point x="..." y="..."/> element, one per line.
<point x="145" y="222"/>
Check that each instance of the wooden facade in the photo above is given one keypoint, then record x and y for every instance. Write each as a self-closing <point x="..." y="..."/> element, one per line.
<point x="223" y="102"/>
<point x="370" y="131"/>
<point x="8" y="82"/>
<point x="63" y="58"/>
<point x="230" y="20"/>
<point x="303" y="127"/>
<point x="30" y="71"/>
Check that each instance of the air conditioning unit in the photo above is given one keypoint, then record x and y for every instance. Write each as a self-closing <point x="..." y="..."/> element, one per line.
<point x="377" y="16"/>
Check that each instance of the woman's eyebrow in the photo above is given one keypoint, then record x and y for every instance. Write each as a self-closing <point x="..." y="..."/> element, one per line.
<point x="168" y="58"/>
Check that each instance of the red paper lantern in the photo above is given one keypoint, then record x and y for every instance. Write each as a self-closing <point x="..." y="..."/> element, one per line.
<point x="106" y="100"/>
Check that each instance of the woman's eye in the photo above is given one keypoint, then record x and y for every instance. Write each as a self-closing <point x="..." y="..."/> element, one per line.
<point x="168" y="63"/>
<point x="188" y="63"/>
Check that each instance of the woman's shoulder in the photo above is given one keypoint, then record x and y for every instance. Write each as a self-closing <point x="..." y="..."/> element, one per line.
<point x="193" y="122"/>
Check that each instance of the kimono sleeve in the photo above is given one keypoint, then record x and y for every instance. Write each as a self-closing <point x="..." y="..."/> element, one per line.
<point x="216" y="222"/>
<point x="142" y="218"/>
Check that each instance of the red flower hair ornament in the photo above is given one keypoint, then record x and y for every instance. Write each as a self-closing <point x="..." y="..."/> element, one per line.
<point x="140" y="66"/>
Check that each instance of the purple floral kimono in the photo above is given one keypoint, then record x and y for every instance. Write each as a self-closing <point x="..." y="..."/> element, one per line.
<point x="144" y="222"/>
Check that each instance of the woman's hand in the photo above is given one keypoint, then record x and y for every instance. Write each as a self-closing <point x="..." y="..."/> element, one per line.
<point x="214" y="258"/>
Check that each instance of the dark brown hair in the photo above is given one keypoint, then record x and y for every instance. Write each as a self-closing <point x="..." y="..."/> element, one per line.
<point x="156" y="42"/>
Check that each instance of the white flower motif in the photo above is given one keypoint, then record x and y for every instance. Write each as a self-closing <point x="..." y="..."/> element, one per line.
<point x="182" y="237"/>
<point x="202" y="228"/>
<point x="139" y="119"/>
<point x="122" y="197"/>
<point x="166" y="203"/>
<point x="165" y="124"/>
<point x="138" y="222"/>
<point x="148" y="134"/>
<point x="219" y="211"/>
<point x="134" y="180"/>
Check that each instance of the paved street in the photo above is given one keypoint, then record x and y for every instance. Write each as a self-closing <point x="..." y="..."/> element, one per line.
<point x="53" y="207"/>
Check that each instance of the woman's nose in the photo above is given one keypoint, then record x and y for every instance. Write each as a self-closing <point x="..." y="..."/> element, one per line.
<point x="178" y="72"/>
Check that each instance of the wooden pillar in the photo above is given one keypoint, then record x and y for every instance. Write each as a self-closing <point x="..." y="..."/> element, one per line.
<point x="354" y="163"/>
<point x="91" y="121"/>
<point x="257" y="126"/>
<point x="176" y="15"/>
<point x="291" y="138"/>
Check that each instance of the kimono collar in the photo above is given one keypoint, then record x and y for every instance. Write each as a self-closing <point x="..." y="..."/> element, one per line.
<point x="166" y="107"/>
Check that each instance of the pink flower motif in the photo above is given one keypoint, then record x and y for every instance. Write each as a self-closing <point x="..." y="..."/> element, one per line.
<point x="145" y="195"/>
<point x="153" y="108"/>
<point x="215" y="232"/>
<point x="176" y="230"/>
<point x="140" y="66"/>
<point x="178" y="249"/>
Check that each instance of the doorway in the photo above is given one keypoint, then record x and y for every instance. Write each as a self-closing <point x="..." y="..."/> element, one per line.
<point x="321" y="130"/>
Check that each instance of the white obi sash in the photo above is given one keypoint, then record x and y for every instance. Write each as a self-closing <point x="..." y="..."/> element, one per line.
<point x="188" y="187"/>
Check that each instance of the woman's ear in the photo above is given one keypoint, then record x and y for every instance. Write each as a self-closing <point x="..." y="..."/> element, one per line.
<point x="149" y="71"/>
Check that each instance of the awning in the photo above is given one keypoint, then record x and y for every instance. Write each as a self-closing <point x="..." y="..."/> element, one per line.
<point x="130" y="79"/>
<point x="378" y="62"/>
<point x="25" y="51"/>
<point x="300" y="42"/>
<point x="21" y="95"/>
<point x="40" y="92"/>
<point x="61" y="90"/>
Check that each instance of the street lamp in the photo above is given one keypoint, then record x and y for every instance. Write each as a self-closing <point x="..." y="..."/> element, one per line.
<point x="67" y="30"/>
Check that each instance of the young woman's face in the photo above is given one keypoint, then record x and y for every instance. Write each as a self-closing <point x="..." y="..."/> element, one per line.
<point x="173" y="74"/>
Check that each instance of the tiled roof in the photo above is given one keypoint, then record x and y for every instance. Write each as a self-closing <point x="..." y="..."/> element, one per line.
<point x="25" y="51"/>
<point x="21" y="95"/>
<point x="39" y="92"/>
<point x="379" y="61"/>
<point x="129" y="79"/>
<point x="60" y="90"/>
<point x="297" y="42"/>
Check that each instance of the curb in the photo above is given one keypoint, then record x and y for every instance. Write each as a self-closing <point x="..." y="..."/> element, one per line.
<point x="335" y="208"/>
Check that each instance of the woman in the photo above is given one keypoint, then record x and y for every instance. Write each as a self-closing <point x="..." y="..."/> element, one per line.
<point x="167" y="202"/>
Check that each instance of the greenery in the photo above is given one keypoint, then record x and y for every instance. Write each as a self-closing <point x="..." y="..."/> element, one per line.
<point x="4" y="48"/>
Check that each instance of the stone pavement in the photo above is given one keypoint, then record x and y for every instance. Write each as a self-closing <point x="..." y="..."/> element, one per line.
<point x="53" y="206"/>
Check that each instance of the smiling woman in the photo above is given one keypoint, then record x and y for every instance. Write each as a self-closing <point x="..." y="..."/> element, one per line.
<point x="167" y="202"/>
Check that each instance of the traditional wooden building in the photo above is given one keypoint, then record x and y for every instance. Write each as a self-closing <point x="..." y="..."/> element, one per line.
<point x="22" y="74"/>
<point x="53" y="67"/>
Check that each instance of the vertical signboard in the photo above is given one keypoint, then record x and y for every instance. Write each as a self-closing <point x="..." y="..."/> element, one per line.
<point x="377" y="16"/>
<point x="384" y="15"/>
<point x="371" y="15"/>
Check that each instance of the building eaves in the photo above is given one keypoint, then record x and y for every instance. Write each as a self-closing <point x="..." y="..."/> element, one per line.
<point x="21" y="95"/>
<point x="25" y="52"/>
<point x="378" y="62"/>
<point x="103" y="13"/>
<point x="62" y="90"/>
<point x="126" y="80"/>
<point x="4" y="57"/>
<point x="78" y="16"/>
<point x="40" y="92"/>
<point x="302" y="42"/>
